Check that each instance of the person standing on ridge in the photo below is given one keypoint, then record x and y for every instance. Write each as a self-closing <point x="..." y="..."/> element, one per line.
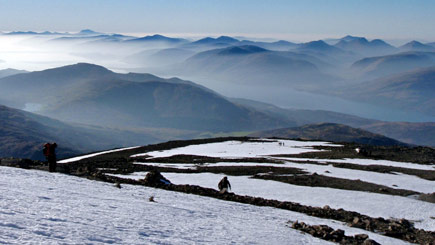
<point x="50" y="154"/>
<point x="223" y="185"/>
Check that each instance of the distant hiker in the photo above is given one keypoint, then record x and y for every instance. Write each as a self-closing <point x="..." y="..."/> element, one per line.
<point x="223" y="185"/>
<point x="50" y="153"/>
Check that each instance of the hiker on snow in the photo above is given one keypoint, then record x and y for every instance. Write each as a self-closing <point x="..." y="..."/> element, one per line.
<point x="50" y="153"/>
<point x="223" y="185"/>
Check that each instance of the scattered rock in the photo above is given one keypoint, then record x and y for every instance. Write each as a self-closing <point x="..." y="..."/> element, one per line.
<point x="118" y="185"/>
<point x="151" y="199"/>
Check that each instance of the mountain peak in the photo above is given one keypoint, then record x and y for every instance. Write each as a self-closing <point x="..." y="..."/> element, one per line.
<point x="318" y="45"/>
<point x="226" y="39"/>
<point x="221" y="39"/>
<point x="88" y="32"/>
<point x="351" y="38"/>
<point x="416" y="46"/>
<point x="245" y="49"/>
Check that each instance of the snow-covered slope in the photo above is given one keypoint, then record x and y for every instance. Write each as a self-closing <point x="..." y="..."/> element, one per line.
<point x="41" y="207"/>
<point x="243" y="149"/>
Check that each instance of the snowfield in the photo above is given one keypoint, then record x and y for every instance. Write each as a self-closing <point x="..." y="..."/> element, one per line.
<point x="366" y="162"/>
<point x="396" y="180"/>
<point x="239" y="149"/>
<point x="40" y="207"/>
<point x="368" y="203"/>
<point x="372" y="204"/>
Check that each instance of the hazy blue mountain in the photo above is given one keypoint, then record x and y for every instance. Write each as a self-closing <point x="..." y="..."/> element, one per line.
<point x="364" y="47"/>
<point x="431" y="44"/>
<point x="329" y="132"/>
<point x="10" y="72"/>
<point x="328" y="53"/>
<point x="281" y="45"/>
<point x="411" y="91"/>
<point x="417" y="46"/>
<point x="411" y="133"/>
<point x="215" y="41"/>
<point x="88" y="32"/>
<point x="390" y="64"/>
<point x="159" y="57"/>
<point x="254" y="65"/>
<point x="319" y="46"/>
<point x="92" y="94"/>
<point x="302" y="117"/>
<point x="34" y="33"/>
<point x="157" y="39"/>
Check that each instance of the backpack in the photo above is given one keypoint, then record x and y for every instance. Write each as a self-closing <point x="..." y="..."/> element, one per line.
<point x="46" y="149"/>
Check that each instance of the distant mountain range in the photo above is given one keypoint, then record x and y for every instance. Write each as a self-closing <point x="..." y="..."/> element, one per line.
<point x="390" y="64"/>
<point x="254" y="65"/>
<point x="353" y="75"/>
<point x="137" y="109"/>
<point x="10" y="72"/>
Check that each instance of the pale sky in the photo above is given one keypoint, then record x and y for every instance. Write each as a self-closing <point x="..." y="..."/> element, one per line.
<point x="281" y="19"/>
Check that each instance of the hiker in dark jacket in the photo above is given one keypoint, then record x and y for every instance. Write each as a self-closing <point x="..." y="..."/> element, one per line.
<point x="50" y="153"/>
<point x="223" y="185"/>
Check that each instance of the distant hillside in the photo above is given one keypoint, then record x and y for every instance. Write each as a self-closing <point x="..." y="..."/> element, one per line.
<point x="380" y="66"/>
<point x="10" y="72"/>
<point x="417" y="46"/>
<point x="407" y="132"/>
<point x="328" y="53"/>
<point x="329" y="132"/>
<point x="412" y="133"/>
<point x="256" y="66"/>
<point x="91" y="94"/>
<point x="216" y="41"/>
<point x="301" y="117"/>
<point x="366" y="48"/>
<point x="159" y="57"/>
<point x="157" y="39"/>
<point x="22" y="134"/>
<point x="412" y="91"/>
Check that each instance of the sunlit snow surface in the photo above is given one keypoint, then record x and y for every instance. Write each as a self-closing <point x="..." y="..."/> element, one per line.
<point x="242" y="149"/>
<point x="367" y="162"/>
<point x="372" y="204"/>
<point x="393" y="180"/>
<point x="94" y="154"/>
<point x="40" y="207"/>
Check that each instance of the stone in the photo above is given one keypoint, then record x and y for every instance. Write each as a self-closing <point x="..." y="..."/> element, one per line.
<point x="361" y="237"/>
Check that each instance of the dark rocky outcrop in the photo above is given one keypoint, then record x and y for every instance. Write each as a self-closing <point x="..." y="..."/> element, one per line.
<point x="327" y="233"/>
